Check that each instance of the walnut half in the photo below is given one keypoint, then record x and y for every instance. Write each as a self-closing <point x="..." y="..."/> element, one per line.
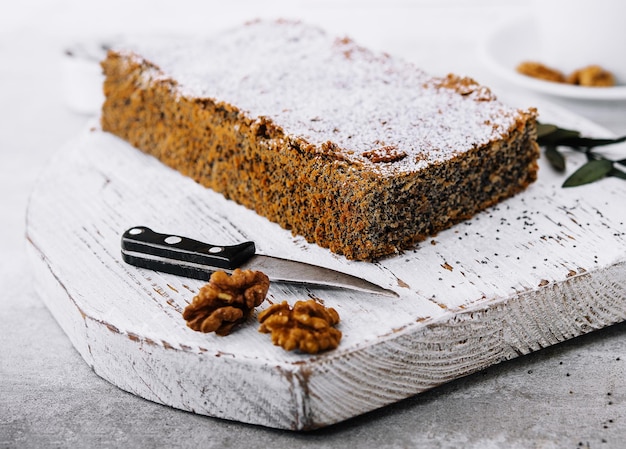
<point x="540" y="71"/>
<point x="592" y="76"/>
<point x="226" y="301"/>
<point x="307" y="327"/>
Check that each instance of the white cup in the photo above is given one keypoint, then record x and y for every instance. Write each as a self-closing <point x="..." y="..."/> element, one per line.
<point x="578" y="33"/>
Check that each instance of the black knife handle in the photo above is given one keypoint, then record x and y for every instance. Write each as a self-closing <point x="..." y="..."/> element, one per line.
<point x="181" y="255"/>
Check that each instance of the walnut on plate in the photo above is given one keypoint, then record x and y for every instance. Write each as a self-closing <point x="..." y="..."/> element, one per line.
<point x="308" y="326"/>
<point x="226" y="301"/>
<point x="540" y="71"/>
<point x="592" y="76"/>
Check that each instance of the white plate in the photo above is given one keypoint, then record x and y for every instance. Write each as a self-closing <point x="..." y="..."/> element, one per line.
<point x="515" y="42"/>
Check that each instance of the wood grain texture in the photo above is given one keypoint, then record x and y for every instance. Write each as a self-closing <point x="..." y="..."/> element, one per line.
<point x="538" y="269"/>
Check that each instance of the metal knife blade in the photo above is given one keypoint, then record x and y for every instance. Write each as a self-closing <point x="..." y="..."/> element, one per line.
<point x="179" y="255"/>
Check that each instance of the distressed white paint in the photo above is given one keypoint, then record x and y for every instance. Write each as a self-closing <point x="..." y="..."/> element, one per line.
<point x="538" y="269"/>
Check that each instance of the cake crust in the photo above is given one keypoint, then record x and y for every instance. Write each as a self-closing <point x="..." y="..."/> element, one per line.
<point x="356" y="151"/>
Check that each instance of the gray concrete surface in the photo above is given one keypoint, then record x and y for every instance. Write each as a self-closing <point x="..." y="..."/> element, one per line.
<point x="572" y="395"/>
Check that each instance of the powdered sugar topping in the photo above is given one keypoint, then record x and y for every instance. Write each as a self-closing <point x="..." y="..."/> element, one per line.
<point x="322" y="89"/>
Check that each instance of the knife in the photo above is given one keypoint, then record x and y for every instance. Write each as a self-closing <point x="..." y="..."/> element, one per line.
<point x="182" y="256"/>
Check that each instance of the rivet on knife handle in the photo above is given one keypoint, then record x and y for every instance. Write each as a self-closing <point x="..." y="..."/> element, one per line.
<point x="174" y="254"/>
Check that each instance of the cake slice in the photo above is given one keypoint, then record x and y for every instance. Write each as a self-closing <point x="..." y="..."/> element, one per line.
<point x="357" y="151"/>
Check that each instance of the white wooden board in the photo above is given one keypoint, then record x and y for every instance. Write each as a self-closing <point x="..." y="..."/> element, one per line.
<point x="536" y="270"/>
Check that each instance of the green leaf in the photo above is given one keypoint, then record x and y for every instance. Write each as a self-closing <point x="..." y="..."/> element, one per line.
<point x="617" y="173"/>
<point x="544" y="129"/>
<point x="548" y="134"/>
<point x="556" y="159"/>
<point x="588" y="142"/>
<point x="591" y="171"/>
<point x="552" y="136"/>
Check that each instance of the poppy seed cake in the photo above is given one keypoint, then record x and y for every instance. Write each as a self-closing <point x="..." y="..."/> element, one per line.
<point x="357" y="151"/>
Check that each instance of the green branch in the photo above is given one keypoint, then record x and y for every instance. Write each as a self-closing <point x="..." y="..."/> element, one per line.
<point x="597" y="167"/>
